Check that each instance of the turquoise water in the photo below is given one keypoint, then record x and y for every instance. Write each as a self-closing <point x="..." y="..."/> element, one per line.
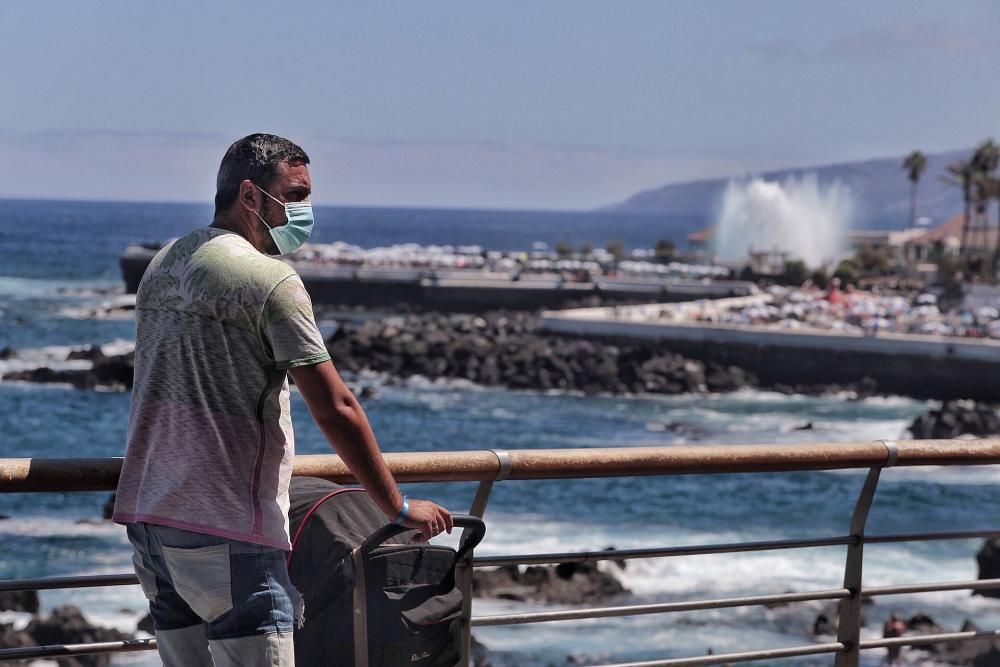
<point x="48" y="286"/>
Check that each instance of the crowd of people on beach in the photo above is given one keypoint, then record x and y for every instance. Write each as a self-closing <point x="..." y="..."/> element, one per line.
<point x="855" y="311"/>
<point x="540" y="260"/>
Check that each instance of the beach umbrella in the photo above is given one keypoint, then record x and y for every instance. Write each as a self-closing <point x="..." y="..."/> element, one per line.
<point x="935" y="328"/>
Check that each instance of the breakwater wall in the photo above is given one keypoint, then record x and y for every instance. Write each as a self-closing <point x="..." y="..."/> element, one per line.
<point x="503" y="349"/>
<point x="927" y="367"/>
<point x="468" y="291"/>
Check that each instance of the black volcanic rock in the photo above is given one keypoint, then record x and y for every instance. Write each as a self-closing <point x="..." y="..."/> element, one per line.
<point x="988" y="559"/>
<point x="108" y="508"/>
<point x="67" y="625"/>
<point x="956" y="418"/>
<point x="11" y="638"/>
<point x="114" y="371"/>
<point x="81" y="379"/>
<point x="26" y="601"/>
<point x="566" y="583"/>
<point x="504" y="349"/>
<point x="90" y="353"/>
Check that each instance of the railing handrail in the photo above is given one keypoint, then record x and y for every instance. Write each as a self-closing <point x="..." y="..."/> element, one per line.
<point x="20" y="475"/>
<point x="489" y="466"/>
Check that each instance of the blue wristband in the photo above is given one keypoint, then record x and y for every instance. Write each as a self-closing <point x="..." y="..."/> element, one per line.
<point x="404" y="512"/>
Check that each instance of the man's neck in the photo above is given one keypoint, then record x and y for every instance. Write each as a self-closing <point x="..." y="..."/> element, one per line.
<point x="230" y="224"/>
<point x="233" y="223"/>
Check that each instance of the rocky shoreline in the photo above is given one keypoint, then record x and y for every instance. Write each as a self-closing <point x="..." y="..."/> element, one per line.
<point x="565" y="584"/>
<point x="64" y="625"/>
<point x="114" y="371"/>
<point x="505" y="349"/>
<point x="956" y="419"/>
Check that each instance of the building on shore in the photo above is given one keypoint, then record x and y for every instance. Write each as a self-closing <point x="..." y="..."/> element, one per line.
<point x="913" y="252"/>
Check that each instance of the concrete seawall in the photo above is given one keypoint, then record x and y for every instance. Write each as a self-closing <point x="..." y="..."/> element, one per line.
<point x="468" y="291"/>
<point x="917" y="366"/>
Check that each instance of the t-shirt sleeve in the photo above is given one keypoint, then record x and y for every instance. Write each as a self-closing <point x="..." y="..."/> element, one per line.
<point x="289" y="326"/>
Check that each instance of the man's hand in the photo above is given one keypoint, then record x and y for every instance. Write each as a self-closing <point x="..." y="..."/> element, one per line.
<point x="346" y="427"/>
<point x="430" y="519"/>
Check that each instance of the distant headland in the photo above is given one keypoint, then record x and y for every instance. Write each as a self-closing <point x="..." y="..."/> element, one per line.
<point x="882" y="195"/>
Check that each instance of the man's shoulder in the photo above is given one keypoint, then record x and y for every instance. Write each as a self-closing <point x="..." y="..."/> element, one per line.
<point x="209" y="264"/>
<point x="231" y="256"/>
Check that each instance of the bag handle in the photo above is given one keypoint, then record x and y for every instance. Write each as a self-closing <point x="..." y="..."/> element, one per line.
<point x="477" y="525"/>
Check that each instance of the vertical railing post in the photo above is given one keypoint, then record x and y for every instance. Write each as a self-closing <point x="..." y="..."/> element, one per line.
<point x="849" y="615"/>
<point x="464" y="576"/>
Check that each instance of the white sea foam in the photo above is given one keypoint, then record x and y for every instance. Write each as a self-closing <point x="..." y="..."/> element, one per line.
<point x="55" y="357"/>
<point x="51" y="526"/>
<point x="121" y="307"/>
<point x="715" y="576"/>
<point x="888" y="400"/>
<point x="19" y="619"/>
<point x="118" y="346"/>
<point x="779" y="570"/>
<point x="52" y="356"/>
<point x="952" y="475"/>
<point x="20" y="287"/>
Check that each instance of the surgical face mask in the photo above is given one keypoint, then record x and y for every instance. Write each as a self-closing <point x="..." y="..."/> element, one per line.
<point x="296" y="231"/>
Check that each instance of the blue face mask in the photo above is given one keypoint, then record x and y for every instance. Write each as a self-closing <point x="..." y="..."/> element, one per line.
<point x="290" y="236"/>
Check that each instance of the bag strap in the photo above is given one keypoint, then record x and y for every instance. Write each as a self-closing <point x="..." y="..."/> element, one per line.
<point x="312" y="510"/>
<point x="360" y="610"/>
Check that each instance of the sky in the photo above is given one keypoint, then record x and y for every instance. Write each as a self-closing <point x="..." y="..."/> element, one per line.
<point x="533" y="104"/>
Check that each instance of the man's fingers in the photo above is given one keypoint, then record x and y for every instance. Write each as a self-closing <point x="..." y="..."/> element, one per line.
<point x="430" y="519"/>
<point x="449" y="522"/>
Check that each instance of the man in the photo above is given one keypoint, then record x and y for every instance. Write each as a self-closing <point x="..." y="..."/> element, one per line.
<point x="204" y="485"/>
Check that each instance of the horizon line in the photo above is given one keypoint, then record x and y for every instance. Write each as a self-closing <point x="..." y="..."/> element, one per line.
<point x="405" y="207"/>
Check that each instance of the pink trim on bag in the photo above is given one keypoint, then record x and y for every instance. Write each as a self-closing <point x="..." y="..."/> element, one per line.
<point x="298" y="533"/>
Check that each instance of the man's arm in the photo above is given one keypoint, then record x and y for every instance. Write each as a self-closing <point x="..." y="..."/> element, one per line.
<point x="346" y="427"/>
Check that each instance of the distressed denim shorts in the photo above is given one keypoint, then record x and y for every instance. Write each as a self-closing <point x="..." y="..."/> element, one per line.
<point x="236" y="589"/>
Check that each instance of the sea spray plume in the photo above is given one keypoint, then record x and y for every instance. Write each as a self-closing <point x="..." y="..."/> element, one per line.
<point x="799" y="216"/>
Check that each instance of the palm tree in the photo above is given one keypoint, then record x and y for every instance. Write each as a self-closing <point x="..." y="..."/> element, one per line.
<point x="915" y="163"/>
<point x="962" y="175"/>
<point x="984" y="162"/>
<point x="994" y="192"/>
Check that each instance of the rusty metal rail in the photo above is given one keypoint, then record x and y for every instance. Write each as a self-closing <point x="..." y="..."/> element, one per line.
<point x="491" y="466"/>
<point x="20" y="475"/>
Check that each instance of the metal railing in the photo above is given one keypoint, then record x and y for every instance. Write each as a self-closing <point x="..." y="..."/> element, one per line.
<point x="491" y="466"/>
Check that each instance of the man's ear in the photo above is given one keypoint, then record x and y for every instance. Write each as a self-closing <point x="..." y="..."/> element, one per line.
<point x="249" y="197"/>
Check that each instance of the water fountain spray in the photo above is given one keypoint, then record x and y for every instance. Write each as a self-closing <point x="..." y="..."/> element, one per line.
<point x="800" y="217"/>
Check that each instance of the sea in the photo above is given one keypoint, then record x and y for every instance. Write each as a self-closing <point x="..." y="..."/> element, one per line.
<point x="59" y="264"/>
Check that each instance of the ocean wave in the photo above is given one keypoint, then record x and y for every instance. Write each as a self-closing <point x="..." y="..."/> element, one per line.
<point x="21" y="287"/>
<point x="800" y="569"/>
<point x="19" y="619"/>
<point x="121" y="307"/>
<point x="55" y="356"/>
<point x="46" y="526"/>
<point x="52" y="356"/>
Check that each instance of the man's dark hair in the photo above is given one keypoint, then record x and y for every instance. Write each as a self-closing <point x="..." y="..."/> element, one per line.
<point x="255" y="157"/>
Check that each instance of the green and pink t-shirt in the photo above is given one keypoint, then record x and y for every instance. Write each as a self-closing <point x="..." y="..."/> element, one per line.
<point x="210" y="442"/>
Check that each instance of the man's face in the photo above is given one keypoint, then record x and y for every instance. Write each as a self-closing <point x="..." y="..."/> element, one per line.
<point x="292" y="184"/>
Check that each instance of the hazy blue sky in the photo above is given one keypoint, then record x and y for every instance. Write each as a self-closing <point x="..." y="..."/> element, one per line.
<point x="517" y="104"/>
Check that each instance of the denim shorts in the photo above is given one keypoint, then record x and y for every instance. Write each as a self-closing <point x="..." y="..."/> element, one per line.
<point x="236" y="589"/>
